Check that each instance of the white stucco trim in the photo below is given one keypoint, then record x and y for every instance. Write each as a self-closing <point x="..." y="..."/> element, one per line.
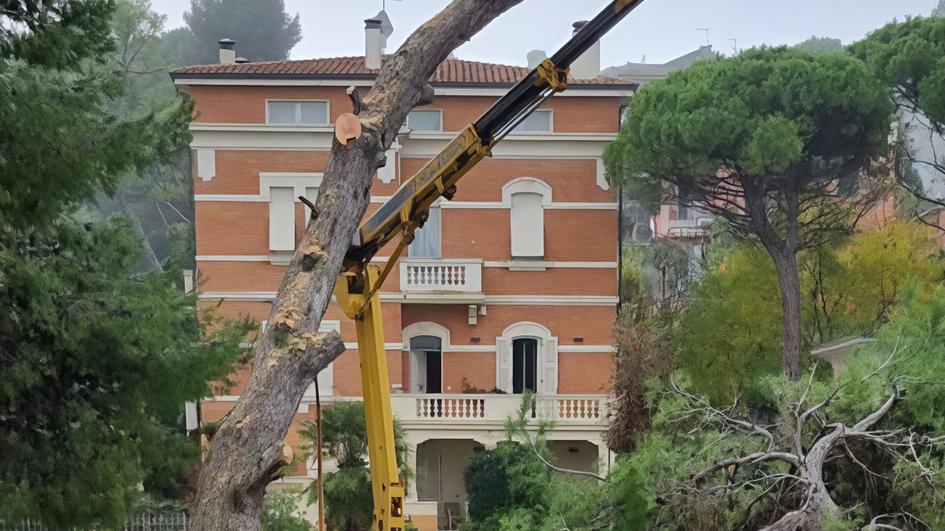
<point x="297" y="180"/>
<point x="503" y="264"/>
<point x="602" y="174"/>
<point x="526" y="329"/>
<point x="573" y="90"/>
<point x="511" y="300"/>
<point x="426" y="328"/>
<point x="526" y="185"/>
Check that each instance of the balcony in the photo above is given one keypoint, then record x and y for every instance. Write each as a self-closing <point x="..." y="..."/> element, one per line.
<point x="434" y="280"/>
<point x="584" y="411"/>
<point x="695" y="225"/>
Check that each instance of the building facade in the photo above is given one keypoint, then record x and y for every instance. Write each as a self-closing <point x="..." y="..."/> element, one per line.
<point x="510" y="287"/>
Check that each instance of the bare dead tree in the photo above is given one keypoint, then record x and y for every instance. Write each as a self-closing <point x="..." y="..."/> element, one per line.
<point x="802" y="445"/>
<point x="247" y="452"/>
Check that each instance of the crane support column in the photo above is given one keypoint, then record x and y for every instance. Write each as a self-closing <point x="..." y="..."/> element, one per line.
<point x="354" y="293"/>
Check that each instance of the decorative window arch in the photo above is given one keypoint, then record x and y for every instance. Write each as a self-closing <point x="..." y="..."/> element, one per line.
<point x="527" y="198"/>
<point x="526" y="185"/>
<point x="547" y="356"/>
<point x="426" y="328"/>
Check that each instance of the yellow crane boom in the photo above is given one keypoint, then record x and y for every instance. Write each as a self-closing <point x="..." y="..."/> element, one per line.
<point x="406" y="211"/>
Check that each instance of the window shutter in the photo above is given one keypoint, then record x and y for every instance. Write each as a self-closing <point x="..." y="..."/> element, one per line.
<point x="528" y="226"/>
<point x="281" y="219"/>
<point x="549" y="377"/>
<point x="503" y="364"/>
<point x="206" y="163"/>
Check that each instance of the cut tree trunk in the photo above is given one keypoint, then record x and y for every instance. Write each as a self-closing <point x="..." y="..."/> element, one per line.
<point x="246" y="453"/>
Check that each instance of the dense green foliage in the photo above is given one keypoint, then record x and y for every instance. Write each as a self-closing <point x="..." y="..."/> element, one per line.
<point x="509" y="488"/>
<point x="759" y="140"/>
<point x="939" y="10"/>
<point x="95" y="361"/>
<point x="56" y="33"/>
<point x="909" y="56"/>
<point x="280" y="512"/>
<point x="770" y="112"/>
<point x="730" y="336"/>
<point x="349" y="504"/>
<point x="817" y="44"/>
<point x="262" y="29"/>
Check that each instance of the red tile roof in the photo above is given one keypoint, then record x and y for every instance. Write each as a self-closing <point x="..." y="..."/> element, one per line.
<point x="450" y="71"/>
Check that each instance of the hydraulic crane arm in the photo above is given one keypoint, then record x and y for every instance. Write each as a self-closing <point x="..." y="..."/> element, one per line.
<point x="406" y="211"/>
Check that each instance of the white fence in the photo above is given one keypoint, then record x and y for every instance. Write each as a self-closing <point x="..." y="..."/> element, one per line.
<point x="164" y="521"/>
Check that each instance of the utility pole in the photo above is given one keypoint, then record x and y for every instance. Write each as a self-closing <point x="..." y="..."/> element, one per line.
<point x="734" y="46"/>
<point x="318" y="453"/>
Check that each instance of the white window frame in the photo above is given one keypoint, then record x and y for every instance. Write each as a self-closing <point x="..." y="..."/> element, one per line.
<point x="425" y="328"/>
<point x="548" y="353"/>
<point x="296" y="100"/>
<point x="527" y="185"/>
<point x="551" y="123"/>
<point x="439" y="111"/>
<point x="302" y="184"/>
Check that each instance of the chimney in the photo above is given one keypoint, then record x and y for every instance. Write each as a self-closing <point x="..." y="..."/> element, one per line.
<point x="535" y="57"/>
<point x="227" y="51"/>
<point x="376" y="31"/>
<point x="588" y="65"/>
<point x="373" y="49"/>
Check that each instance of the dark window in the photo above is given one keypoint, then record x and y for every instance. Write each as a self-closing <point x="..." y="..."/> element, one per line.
<point x="524" y="365"/>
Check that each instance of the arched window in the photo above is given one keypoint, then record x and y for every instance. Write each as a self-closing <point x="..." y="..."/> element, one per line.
<point x="527" y="359"/>
<point x="527" y="198"/>
<point x="425" y="343"/>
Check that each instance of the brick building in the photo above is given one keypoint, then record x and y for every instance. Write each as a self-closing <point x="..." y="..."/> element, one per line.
<point x="511" y="286"/>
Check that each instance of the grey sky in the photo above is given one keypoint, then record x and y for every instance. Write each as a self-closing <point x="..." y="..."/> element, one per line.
<point x="658" y="29"/>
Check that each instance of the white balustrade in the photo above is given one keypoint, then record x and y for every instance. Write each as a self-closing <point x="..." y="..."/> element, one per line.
<point x="435" y="275"/>
<point x="496" y="408"/>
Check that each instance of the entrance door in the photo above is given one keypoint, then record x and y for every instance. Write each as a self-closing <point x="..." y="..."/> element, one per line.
<point x="524" y="365"/>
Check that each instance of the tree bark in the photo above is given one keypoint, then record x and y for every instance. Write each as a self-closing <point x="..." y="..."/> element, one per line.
<point x="246" y="453"/>
<point x="790" y="285"/>
<point x="783" y="251"/>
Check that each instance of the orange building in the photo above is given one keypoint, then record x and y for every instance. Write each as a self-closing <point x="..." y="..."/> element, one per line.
<point x="512" y="286"/>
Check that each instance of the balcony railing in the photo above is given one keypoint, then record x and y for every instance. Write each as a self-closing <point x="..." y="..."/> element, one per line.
<point x="694" y="226"/>
<point x="420" y="275"/>
<point x="495" y="408"/>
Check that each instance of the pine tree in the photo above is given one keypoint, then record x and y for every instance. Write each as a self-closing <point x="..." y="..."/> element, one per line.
<point x="95" y="361"/>
<point x="262" y="29"/>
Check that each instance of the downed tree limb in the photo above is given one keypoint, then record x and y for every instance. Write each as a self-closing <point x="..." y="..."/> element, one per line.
<point x="246" y="450"/>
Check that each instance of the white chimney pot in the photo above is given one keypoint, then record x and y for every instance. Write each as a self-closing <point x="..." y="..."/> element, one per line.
<point x="227" y="51"/>
<point x="373" y="43"/>
<point x="535" y="57"/>
<point x="587" y="66"/>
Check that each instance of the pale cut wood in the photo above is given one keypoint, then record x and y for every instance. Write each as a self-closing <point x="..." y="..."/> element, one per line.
<point x="246" y="451"/>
